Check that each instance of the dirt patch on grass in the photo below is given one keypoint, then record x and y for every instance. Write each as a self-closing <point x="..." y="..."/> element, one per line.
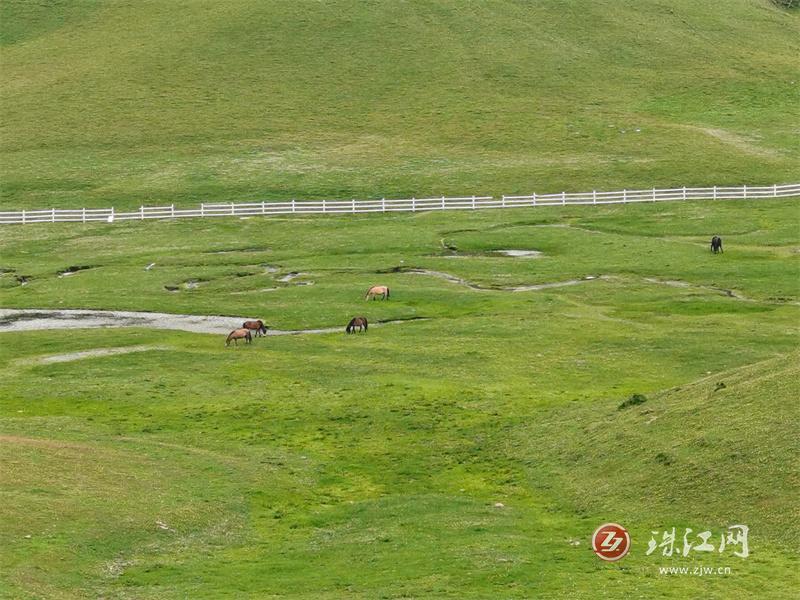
<point x="234" y="250"/>
<point x="41" y="319"/>
<point x="289" y="276"/>
<point x="743" y="144"/>
<point x="74" y="269"/>
<point x="708" y="288"/>
<point x="41" y="442"/>
<point x="488" y="288"/>
<point x="70" y="356"/>
<point x="38" y="319"/>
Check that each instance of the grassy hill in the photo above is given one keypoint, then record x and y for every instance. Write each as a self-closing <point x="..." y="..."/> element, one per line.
<point x="118" y="102"/>
<point x="721" y="445"/>
<point x="470" y="449"/>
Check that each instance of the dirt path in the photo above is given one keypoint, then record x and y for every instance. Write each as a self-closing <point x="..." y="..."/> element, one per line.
<point x="33" y="319"/>
<point x="70" y="356"/>
<point x="485" y="288"/>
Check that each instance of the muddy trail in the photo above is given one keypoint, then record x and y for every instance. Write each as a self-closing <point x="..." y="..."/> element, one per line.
<point x="34" y="319"/>
<point x="489" y="288"/>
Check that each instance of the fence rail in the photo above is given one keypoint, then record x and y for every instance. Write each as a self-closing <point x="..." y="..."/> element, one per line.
<point x="85" y="215"/>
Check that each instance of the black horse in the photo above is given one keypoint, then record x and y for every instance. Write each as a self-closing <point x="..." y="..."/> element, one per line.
<point x="716" y="244"/>
<point x="360" y="322"/>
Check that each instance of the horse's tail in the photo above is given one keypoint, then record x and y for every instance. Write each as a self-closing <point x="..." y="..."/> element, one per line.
<point x="365" y="323"/>
<point x="387" y="292"/>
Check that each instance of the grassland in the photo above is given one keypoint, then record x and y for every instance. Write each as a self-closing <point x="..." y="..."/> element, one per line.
<point x="127" y="103"/>
<point x="369" y="466"/>
<point x="470" y="449"/>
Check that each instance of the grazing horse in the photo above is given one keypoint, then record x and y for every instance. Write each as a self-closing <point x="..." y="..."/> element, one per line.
<point x="257" y="326"/>
<point x="716" y="244"/>
<point x="377" y="290"/>
<point x="360" y="322"/>
<point x="239" y="334"/>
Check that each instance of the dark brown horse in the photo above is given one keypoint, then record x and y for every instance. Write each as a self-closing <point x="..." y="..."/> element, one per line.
<point x="360" y="322"/>
<point x="716" y="244"/>
<point x="239" y="334"/>
<point x="257" y="326"/>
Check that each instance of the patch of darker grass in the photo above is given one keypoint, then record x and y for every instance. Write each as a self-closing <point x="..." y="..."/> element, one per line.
<point x="634" y="400"/>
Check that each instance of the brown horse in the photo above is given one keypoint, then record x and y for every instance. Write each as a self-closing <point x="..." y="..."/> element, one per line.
<point x="257" y="326"/>
<point x="716" y="244"/>
<point x="360" y="322"/>
<point x="239" y="334"/>
<point x="377" y="290"/>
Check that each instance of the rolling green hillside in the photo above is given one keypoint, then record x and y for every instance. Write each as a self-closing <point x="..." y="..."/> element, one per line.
<point x="468" y="448"/>
<point x="122" y="102"/>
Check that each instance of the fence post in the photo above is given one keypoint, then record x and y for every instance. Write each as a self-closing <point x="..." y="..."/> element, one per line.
<point x="23" y="216"/>
<point x="324" y="206"/>
<point x="473" y="201"/>
<point x="744" y="191"/>
<point x="112" y="214"/>
<point x="141" y="213"/>
<point x="624" y="196"/>
<point x="352" y="205"/>
<point x="413" y="204"/>
<point x="83" y="215"/>
<point x="774" y="190"/>
<point x="233" y="210"/>
<point x="293" y="207"/>
<point x="442" y="202"/>
<point x="52" y="215"/>
<point x="563" y="198"/>
<point x="714" y="197"/>
<point x="383" y="204"/>
<point x="263" y="208"/>
<point x="684" y="192"/>
<point x="654" y="194"/>
<point x="594" y="196"/>
<point x="172" y="210"/>
<point x="534" y="198"/>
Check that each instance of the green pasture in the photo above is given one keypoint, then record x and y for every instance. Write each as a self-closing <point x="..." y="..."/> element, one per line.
<point x="125" y="103"/>
<point x="469" y="448"/>
<point x="371" y="466"/>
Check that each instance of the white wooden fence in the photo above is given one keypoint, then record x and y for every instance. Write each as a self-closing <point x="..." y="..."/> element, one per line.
<point x="110" y="215"/>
